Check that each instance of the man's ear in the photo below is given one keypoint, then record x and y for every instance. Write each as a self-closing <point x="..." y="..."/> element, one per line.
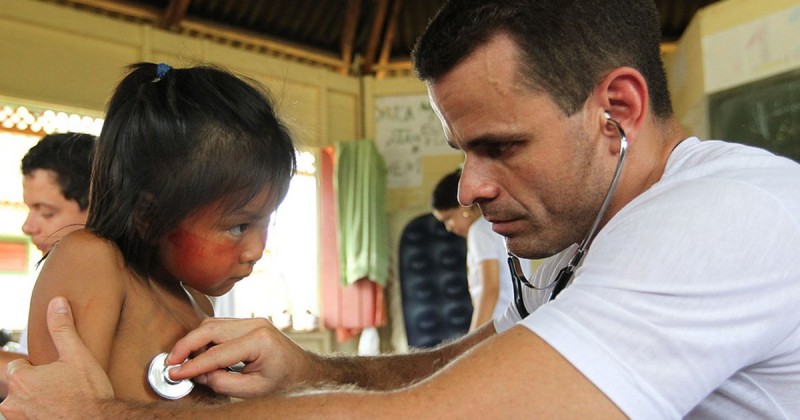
<point x="623" y="95"/>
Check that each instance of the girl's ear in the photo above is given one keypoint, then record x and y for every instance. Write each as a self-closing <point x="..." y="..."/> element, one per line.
<point x="141" y="211"/>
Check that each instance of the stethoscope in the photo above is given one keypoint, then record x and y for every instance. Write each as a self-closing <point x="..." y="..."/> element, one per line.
<point x="158" y="372"/>
<point x="566" y="273"/>
<point x="166" y="387"/>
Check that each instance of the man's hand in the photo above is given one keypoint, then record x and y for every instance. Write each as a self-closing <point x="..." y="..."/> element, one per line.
<point x="73" y="386"/>
<point x="273" y="362"/>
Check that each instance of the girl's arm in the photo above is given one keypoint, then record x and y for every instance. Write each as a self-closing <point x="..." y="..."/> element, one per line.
<point x="89" y="272"/>
<point x="484" y="307"/>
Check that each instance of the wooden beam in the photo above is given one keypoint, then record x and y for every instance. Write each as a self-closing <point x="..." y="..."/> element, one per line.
<point x="388" y="37"/>
<point x="399" y="65"/>
<point x="349" y="29"/>
<point x="375" y="33"/>
<point x="175" y="13"/>
<point x="668" y="47"/>
<point x="210" y="30"/>
<point x="147" y="13"/>
<point x="262" y="41"/>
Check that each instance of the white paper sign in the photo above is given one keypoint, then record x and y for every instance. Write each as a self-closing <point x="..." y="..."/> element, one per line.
<point x="406" y="128"/>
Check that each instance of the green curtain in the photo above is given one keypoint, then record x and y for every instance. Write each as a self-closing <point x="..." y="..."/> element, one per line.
<point x="360" y="185"/>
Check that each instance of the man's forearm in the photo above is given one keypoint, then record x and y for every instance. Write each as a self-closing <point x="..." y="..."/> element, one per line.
<point x="327" y="393"/>
<point x="327" y="406"/>
<point x="388" y="372"/>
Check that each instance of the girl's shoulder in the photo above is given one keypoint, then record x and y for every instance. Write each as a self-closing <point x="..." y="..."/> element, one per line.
<point x="81" y="261"/>
<point x="90" y="273"/>
<point x="87" y="246"/>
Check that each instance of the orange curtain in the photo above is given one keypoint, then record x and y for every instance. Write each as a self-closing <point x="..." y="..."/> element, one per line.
<point x="346" y="309"/>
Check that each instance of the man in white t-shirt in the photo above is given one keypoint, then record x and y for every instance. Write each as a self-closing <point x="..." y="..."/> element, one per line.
<point x="685" y="303"/>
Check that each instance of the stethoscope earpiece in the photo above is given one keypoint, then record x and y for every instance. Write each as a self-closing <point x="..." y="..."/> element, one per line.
<point x="566" y="273"/>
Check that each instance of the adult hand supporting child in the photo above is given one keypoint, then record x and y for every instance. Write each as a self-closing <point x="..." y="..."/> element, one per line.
<point x="71" y="382"/>
<point x="273" y="362"/>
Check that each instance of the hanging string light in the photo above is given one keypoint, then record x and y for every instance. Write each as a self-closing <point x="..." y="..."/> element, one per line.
<point x="45" y="121"/>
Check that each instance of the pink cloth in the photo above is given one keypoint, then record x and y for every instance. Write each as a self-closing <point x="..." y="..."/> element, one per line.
<point x="349" y="309"/>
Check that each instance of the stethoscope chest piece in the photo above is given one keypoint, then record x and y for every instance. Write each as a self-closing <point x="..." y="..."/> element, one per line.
<point x="157" y="376"/>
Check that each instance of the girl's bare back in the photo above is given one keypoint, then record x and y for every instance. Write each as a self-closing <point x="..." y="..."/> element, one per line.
<point x="124" y="320"/>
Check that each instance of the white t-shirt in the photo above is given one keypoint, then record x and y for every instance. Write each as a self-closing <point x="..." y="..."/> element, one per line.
<point x="688" y="301"/>
<point x="484" y="244"/>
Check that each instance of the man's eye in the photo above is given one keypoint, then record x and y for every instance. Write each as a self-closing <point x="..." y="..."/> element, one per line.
<point x="238" y="230"/>
<point x="496" y="150"/>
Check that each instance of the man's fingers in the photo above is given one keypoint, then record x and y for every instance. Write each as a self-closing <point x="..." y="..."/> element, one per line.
<point x="217" y="357"/>
<point x="16" y="364"/>
<point x="208" y="333"/>
<point x="212" y="331"/>
<point x="62" y="328"/>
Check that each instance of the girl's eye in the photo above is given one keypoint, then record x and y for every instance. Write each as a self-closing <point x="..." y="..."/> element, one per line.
<point x="238" y="230"/>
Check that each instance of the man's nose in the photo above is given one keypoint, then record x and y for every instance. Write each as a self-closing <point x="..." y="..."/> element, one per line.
<point x="474" y="187"/>
<point x="30" y="227"/>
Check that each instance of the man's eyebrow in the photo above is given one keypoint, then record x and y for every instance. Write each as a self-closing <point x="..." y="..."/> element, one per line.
<point x="492" y="139"/>
<point x="44" y="206"/>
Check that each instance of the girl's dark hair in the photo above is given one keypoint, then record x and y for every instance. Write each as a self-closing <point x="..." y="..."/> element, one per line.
<point x="567" y="46"/>
<point x="174" y="144"/>
<point x="445" y="194"/>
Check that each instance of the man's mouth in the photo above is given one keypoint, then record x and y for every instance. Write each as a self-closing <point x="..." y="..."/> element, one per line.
<point x="41" y="246"/>
<point x="506" y="227"/>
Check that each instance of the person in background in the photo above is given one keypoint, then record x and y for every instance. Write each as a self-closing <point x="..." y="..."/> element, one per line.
<point x="683" y="306"/>
<point x="487" y="271"/>
<point x="55" y="188"/>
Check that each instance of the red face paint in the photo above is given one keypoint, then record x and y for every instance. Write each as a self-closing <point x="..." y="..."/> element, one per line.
<point x="210" y="251"/>
<point x="201" y="262"/>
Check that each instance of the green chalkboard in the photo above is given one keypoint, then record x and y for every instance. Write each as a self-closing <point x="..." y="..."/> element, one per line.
<point x="765" y="113"/>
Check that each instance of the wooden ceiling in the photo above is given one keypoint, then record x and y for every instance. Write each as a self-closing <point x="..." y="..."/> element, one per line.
<point x="348" y="36"/>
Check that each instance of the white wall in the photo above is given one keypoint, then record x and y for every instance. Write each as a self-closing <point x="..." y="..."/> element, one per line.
<point x="728" y="44"/>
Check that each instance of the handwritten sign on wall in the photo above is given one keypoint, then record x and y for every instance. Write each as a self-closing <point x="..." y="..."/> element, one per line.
<point x="406" y="128"/>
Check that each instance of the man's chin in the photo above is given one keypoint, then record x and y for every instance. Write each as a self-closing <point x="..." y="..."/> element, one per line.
<point x="531" y="250"/>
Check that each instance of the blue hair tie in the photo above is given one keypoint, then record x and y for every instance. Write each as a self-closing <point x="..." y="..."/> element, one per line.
<point x="162" y="70"/>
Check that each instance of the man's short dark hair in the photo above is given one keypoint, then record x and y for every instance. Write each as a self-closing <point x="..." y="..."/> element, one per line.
<point x="69" y="156"/>
<point x="567" y="46"/>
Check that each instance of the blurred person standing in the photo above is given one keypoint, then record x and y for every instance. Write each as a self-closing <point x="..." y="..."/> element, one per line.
<point x="489" y="280"/>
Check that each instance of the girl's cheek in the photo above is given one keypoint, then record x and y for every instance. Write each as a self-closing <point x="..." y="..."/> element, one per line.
<point x="198" y="259"/>
<point x="188" y="248"/>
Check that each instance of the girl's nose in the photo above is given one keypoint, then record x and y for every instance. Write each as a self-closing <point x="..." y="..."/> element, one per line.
<point x="254" y="249"/>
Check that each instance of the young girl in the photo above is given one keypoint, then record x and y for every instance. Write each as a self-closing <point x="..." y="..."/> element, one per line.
<point x="188" y="168"/>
